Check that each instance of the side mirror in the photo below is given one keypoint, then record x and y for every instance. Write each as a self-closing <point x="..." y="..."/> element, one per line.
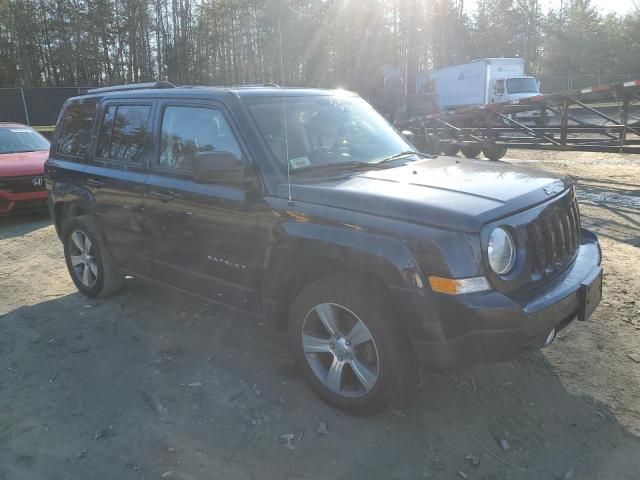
<point x="218" y="166"/>
<point x="409" y="135"/>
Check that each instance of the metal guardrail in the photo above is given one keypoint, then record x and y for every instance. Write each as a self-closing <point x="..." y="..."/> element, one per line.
<point x="565" y="83"/>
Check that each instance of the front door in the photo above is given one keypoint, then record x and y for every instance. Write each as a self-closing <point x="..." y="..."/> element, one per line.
<point x="203" y="236"/>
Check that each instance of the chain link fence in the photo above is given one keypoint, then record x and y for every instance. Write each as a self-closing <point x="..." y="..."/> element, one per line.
<point x="564" y="83"/>
<point x="34" y="106"/>
<point x="40" y="106"/>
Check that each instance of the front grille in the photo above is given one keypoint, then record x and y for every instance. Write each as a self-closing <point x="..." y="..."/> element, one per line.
<point x="21" y="184"/>
<point x="554" y="240"/>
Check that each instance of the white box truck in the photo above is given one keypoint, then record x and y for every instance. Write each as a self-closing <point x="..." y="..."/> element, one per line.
<point x="488" y="80"/>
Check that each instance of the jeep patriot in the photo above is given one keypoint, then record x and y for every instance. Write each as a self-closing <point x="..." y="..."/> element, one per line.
<point x="306" y="208"/>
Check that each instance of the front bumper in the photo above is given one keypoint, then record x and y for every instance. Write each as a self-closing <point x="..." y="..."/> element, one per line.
<point x="23" y="202"/>
<point x="456" y="331"/>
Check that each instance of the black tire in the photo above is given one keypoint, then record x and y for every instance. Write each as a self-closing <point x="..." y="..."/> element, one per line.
<point x="543" y="119"/>
<point x="471" y="151"/>
<point x="420" y="143"/>
<point x="369" y="304"/>
<point x="494" y="153"/>
<point x="107" y="280"/>
<point x="432" y="145"/>
<point x="450" y="149"/>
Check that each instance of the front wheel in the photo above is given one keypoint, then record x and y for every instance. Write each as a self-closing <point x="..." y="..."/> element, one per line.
<point x="347" y="342"/>
<point x="471" y="151"/>
<point x="89" y="264"/>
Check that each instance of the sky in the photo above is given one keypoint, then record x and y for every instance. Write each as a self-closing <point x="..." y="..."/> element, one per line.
<point x="613" y="6"/>
<point x="606" y="6"/>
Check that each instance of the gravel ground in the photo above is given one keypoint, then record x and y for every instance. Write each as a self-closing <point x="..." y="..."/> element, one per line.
<point x="153" y="384"/>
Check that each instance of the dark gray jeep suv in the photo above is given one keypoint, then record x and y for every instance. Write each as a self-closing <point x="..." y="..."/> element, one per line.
<point x="307" y="208"/>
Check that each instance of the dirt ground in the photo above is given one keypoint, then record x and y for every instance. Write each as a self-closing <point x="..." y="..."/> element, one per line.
<point x="153" y="384"/>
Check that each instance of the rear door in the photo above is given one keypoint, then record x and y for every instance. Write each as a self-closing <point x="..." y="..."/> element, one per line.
<point x="115" y="173"/>
<point x="203" y="236"/>
<point x="70" y="147"/>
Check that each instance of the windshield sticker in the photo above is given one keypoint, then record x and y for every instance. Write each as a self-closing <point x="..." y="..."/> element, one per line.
<point x="299" y="162"/>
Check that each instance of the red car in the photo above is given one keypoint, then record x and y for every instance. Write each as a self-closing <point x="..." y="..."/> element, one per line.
<point x="23" y="152"/>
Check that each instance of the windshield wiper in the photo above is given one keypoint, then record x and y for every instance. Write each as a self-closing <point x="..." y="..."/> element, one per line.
<point x="360" y="166"/>
<point x="352" y="165"/>
<point x="18" y="151"/>
<point x="404" y="153"/>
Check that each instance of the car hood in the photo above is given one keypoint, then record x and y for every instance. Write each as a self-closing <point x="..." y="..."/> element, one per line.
<point x="447" y="192"/>
<point x="23" y="163"/>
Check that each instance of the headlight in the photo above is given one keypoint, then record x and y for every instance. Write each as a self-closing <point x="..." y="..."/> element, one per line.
<point x="501" y="251"/>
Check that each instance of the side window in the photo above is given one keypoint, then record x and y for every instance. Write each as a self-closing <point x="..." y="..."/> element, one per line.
<point x="74" y="134"/>
<point x="123" y="132"/>
<point x="106" y="129"/>
<point x="189" y="130"/>
<point x="499" y="87"/>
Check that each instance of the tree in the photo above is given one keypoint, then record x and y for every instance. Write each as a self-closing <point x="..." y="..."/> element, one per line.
<point x="324" y="42"/>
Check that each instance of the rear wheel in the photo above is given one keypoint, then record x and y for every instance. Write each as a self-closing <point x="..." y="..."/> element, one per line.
<point x="345" y="339"/>
<point x="450" y="149"/>
<point x="494" y="153"/>
<point x="471" y="151"/>
<point x="89" y="264"/>
<point x="540" y="121"/>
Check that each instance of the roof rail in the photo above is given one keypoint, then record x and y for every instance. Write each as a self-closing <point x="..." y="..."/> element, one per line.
<point x="133" y="86"/>
<point x="254" y="85"/>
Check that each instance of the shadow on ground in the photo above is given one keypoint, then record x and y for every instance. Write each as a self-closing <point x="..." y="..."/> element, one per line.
<point x="154" y="384"/>
<point x="17" y="225"/>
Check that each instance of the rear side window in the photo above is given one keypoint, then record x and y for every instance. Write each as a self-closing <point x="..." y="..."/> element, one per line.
<point x="123" y="132"/>
<point x="75" y="128"/>
<point x="189" y="130"/>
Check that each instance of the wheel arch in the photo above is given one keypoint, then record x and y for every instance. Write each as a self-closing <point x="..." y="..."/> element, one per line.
<point x="316" y="251"/>
<point x="64" y="211"/>
<point x="69" y="201"/>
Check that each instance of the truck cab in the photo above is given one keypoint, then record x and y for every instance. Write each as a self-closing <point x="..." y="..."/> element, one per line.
<point x="513" y="88"/>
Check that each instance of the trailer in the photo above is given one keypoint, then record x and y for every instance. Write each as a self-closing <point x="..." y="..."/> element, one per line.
<point x="487" y="80"/>
<point x="604" y="118"/>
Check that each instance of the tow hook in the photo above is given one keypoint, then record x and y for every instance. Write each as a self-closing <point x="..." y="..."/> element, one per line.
<point x="550" y="338"/>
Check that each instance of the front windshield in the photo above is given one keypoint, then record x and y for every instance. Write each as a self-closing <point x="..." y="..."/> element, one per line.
<point x="325" y="130"/>
<point x="522" y="85"/>
<point x="21" y="139"/>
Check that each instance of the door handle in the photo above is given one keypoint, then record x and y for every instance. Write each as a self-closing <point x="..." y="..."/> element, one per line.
<point x="94" y="182"/>
<point x="163" y="196"/>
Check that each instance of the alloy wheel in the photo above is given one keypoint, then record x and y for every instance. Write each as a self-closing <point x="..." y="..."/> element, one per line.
<point x="83" y="259"/>
<point x="340" y="350"/>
